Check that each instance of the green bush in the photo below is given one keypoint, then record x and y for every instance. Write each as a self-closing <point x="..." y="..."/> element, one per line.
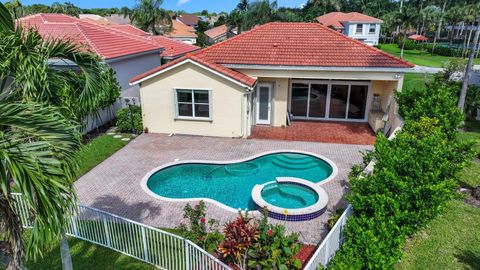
<point x="435" y="101"/>
<point x="259" y="245"/>
<point x="197" y="231"/>
<point x="414" y="177"/>
<point x="124" y="119"/>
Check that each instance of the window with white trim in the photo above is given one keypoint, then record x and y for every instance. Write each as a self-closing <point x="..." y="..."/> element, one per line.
<point x="359" y="28"/>
<point x="372" y="28"/>
<point x="192" y="103"/>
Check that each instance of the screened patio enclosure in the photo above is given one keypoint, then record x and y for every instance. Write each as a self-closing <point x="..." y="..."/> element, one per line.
<point x="329" y="100"/>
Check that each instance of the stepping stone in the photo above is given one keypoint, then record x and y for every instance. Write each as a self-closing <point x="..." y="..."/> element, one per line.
<point x="126" y="139"/>
<point x="111" y="133"/>
<point x="117" y="136"/>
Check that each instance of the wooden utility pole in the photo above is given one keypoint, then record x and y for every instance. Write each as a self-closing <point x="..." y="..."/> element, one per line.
<point x="468" y="70"/>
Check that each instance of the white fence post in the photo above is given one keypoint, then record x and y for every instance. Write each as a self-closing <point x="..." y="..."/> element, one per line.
<point x="187" y="255"/>
<point x="145" y="246"/>
<point x="107" y="233"/>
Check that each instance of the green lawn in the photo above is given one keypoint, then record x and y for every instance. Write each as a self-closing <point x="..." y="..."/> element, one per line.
<point x="87" y="256"/>
<point x="415" y="80"/>
<point x="451" y="241"/>
<point x="97" y="151"/>
<point x="414" y="56"/>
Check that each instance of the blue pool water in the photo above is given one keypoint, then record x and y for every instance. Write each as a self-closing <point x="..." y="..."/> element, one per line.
<point x="289" y="196"/>
<point x="231" y="184"/>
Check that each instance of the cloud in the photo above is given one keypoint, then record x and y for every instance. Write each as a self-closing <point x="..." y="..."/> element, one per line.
<point x="182" y="2"/>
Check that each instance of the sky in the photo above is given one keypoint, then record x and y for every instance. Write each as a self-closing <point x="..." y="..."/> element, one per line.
<point x="187" y="5"/>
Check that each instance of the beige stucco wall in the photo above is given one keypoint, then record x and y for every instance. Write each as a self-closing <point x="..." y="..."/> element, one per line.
<point x="228" y="103"/>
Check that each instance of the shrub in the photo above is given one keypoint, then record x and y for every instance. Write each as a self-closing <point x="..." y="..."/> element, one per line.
<point x="414" y="177"/>
<point x="197" y="231"/>
<point x="240" y="235"/>
<point x="124" y="119"/>
<point x="436" y="101"/>
<point x="334" y="218"/>
<point x="274" y="249"/>
<point x="258" y="245"/>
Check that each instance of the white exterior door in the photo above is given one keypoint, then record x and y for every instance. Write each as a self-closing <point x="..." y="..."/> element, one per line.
<point x="264" y="103"/>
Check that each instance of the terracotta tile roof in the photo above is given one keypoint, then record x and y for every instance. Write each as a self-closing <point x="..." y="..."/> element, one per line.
<point x="235" y="75"/>
<point x="189" y="19"/>
<point x="173" y="48"/>
<point x="298" y="44"/>
<point x="289" y="44"/>
<point x="335" y="19"/>
<point x="217" y="31"/>
<point x="105" y="41"/>
<point x="181" y="30"/>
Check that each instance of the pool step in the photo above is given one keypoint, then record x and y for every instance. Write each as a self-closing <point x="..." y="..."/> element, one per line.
<point x="290" y="166"/>
<point x="296" y="160"/>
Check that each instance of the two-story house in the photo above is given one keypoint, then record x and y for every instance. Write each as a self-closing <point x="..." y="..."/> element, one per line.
<point x="355" y="25"/>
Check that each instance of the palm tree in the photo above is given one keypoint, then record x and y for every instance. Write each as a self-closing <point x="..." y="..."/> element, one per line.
<point x="148" y="16"/>
<point x="38" y="141"/>
<point x="404" y="20"/>
<point x="37" y="158"/>
<point x="27" y="75"/>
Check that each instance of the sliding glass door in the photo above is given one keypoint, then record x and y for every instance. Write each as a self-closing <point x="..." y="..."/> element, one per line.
<point x="341" y="100"/>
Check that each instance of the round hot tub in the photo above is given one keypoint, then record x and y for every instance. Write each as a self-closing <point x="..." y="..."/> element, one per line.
<point x="291" y="199"/>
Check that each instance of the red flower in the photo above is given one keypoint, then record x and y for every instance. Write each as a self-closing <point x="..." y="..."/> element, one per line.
<point x="270" y="232"/>
<point x="202" y="220"/>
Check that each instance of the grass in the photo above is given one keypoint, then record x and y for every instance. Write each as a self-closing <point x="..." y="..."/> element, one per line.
<point x="449" y="242"/>
<point x="415" y="80"/>
<point x="470" y="176"/>
<point x="414" y="56"/>
<point x="88" y="256"/>
<point x="97" y="151"/>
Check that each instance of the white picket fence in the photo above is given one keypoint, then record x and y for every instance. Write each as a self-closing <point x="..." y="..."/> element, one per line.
<point x="332" y="242"/>
<point x="149" y="244"/>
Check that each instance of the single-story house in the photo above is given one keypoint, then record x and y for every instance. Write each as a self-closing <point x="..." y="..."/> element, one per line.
<point x="125" y="53"/>
<point x="355" y="25"/>
<point x="271" y="75"/>
<point x="219" y="33"/>
<point x="182" y="32"/>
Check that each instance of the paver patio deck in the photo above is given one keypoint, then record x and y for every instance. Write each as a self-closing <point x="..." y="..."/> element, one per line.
<point x="114" y="185"/>
<point x="318" y="131"/>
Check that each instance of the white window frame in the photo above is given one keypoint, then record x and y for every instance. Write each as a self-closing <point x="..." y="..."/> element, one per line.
<point x="374" y="29"/>
<point x="356" y="29"/>
<point x="193" y="117"/>
<point x="329" y="92"/>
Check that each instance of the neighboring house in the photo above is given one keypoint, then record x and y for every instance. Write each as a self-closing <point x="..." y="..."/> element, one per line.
<point x="219" y="33"/>
<point x="355" y="25"/>
<point x="267" y="76"/>
<point x="172" y="49"/>
<point x="188" y="19"/>
<point x="182" y="32"/>
<point x="127" y="54"/>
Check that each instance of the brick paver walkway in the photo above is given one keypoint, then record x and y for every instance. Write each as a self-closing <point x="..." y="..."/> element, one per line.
<point x="114" y="185"/>
<point x="316" y="131"/>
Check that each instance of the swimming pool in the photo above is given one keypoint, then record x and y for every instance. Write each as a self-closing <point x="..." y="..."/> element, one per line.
<point x="231" y="183"/>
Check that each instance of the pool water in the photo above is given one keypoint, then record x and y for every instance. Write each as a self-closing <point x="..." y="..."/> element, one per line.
<point x="289" y="196"/>
<point x="231" y="184"/>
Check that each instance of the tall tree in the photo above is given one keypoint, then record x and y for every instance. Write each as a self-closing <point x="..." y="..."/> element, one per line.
<point x="148" y="16"/>
<point x="468" y="70"/>
<point x="404" y="20"/>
